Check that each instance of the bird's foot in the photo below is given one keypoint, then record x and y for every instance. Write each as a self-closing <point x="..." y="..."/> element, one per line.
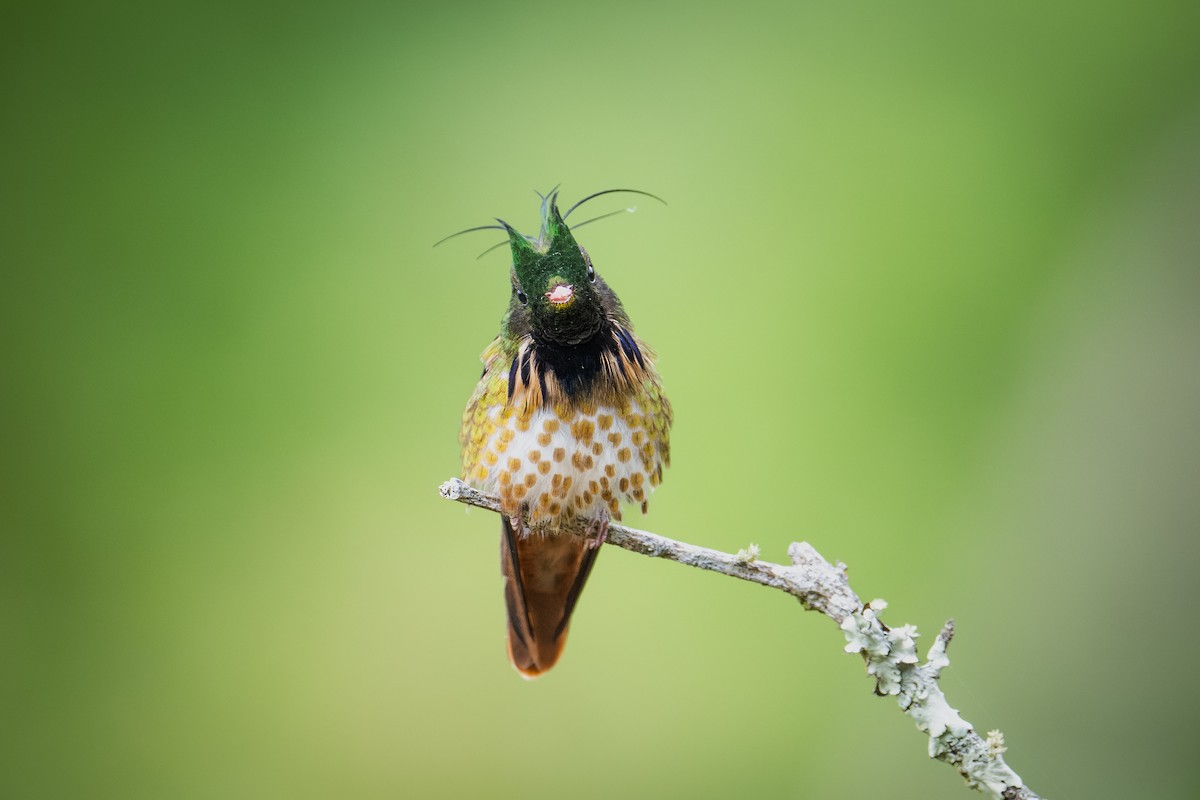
<point x="597" y="530"/>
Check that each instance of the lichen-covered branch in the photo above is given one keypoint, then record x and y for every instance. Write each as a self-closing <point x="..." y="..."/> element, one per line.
<point x="890" y="653"/>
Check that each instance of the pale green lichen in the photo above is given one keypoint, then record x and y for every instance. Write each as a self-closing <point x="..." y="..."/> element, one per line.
<point x="748" y="554"/>
<point x="989" y="774"/>
<point x="891" y="656"/>
<point x="864" y="634"/>
<point x="887" y="651"/>
<point x="935" y="717"/>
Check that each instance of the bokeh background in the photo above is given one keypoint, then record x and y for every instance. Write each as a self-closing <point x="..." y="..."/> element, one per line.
<point x="925" y="295"/>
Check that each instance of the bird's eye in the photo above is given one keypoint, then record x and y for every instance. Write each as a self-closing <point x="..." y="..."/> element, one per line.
<point x="588" y="260"/>
<point x="521" y="296"/>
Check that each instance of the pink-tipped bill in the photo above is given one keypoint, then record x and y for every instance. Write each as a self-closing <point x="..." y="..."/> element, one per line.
<point x="561" y="294"/>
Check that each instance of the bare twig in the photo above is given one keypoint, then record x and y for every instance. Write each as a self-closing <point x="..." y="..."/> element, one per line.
<point x="890" y="653"/>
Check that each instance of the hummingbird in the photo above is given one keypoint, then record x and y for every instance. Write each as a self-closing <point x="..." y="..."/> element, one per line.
<point x="568" y="422"/>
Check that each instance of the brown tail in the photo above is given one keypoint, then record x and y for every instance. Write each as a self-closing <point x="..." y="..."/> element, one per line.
<point x="543" y="577"/>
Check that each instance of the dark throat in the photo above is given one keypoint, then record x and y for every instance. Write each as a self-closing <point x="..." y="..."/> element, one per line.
<point x="578" y="367"/>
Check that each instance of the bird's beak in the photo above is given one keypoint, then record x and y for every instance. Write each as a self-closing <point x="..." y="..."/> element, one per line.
<point x="561" y="294"/>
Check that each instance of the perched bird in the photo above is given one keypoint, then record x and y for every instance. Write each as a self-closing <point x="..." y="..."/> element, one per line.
<point x="568" y="421"/>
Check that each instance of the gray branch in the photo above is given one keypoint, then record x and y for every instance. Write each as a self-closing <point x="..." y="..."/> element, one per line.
<point x="890" y="653"/>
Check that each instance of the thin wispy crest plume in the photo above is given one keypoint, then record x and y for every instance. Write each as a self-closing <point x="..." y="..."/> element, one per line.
<point x="549" y="200"/>
<point x="611" y="191"/>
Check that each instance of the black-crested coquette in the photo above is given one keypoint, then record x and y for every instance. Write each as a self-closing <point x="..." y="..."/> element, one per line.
<point x="567" y="423"/>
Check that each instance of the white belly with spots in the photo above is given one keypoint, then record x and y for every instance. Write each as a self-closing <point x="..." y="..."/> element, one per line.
<point x="579" y="466"/>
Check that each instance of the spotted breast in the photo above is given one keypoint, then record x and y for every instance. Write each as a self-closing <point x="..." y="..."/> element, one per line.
<point x="571" y="458"/>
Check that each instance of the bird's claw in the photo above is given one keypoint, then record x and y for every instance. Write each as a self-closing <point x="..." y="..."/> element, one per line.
<point x="597" y="531"/>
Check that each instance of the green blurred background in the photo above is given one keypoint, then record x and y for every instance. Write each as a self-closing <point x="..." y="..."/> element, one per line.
<point x="925" y="295"/>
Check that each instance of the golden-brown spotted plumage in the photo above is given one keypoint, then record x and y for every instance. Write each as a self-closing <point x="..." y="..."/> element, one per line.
<point x="555" y="460"/>
<point x="528" y="445"/>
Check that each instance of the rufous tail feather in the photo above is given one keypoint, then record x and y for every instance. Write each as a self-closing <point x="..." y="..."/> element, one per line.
<point x="544" y="575"/>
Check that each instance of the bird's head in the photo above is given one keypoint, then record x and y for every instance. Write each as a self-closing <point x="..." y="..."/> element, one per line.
<point x="553" y="281"/>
